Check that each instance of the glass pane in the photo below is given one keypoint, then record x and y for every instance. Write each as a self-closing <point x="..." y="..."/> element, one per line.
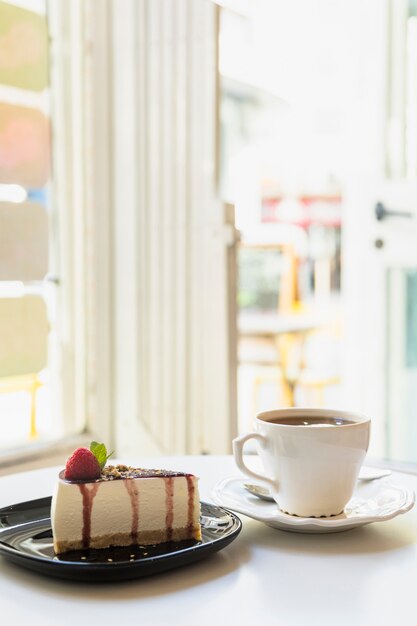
<point x="23" y="335"/>
<point x="23" y="242"/>
<point x="411" y="319"/>
<point x="25" y="403"/>
<point x="24" y="146"/>
<point x="402" y="364"/>
<point x="23" y="48"/>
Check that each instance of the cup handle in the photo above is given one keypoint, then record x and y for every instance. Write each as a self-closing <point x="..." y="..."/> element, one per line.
<point x="238" y="445"/>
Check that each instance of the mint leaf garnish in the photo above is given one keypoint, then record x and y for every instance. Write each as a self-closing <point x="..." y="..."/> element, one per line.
<point x="100" y="452"/>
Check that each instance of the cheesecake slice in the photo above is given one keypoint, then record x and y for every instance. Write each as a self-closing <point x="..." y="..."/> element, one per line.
<point x="125" y="506"/>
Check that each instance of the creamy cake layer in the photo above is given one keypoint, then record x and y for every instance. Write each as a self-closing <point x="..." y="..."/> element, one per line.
<point x="125" y="511"/>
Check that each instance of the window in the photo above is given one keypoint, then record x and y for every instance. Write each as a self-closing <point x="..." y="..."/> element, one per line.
<point x="27" y="293"/>
<point x="48" y="232"/>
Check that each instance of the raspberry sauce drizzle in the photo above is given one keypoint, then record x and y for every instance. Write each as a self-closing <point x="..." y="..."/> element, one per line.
<point x="134" y="501"/>
<point x="191" y="492"/>
<point x="88" y="495"/>
<point x="169" y="501"/>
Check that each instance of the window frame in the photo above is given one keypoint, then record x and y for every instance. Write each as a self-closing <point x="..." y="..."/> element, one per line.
<point x="81" y="79"/>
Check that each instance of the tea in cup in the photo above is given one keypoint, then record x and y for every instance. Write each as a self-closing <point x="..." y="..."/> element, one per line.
<point x="311" y="458"/>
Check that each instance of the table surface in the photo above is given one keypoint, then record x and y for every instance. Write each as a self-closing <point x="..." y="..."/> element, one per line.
<point x="366" y="576"/>
<point x="271" y="324"/>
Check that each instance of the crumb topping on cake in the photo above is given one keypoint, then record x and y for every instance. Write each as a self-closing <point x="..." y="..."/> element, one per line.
<point x="112" y="472"/>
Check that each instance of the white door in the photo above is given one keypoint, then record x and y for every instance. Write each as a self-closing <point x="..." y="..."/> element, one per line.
<point x="381" y="318"/>
<point x="398" y="238"/>
<point x="380" y="243"/>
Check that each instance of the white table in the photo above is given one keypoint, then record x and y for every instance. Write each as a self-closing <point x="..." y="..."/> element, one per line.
<point x="275" y="324"/>
<point x="366" y="576"/>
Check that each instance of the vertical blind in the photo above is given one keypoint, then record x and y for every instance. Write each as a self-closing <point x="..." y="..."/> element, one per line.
<point x="175" y="244"/>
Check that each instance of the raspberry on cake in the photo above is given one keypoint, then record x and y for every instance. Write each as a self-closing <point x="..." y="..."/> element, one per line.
<point x="122" y="505"/>
<point x="82" y="465"/>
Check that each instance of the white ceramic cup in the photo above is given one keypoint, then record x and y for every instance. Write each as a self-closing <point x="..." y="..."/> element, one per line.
<point x="310" y="470"/>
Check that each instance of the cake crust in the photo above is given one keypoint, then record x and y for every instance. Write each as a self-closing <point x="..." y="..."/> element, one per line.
<point x="144" y="538"/>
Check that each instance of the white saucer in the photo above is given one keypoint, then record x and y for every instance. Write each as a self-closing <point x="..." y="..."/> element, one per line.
<point x="375" y="501"/>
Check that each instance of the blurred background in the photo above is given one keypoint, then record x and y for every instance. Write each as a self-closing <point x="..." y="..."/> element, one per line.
<point x="207" y="209"/>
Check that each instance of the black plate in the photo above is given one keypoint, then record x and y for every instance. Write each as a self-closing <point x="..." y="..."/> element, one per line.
<point x="26" y="539"/>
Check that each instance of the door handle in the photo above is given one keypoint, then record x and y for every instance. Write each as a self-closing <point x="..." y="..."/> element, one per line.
<point x="381" y="212"/>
